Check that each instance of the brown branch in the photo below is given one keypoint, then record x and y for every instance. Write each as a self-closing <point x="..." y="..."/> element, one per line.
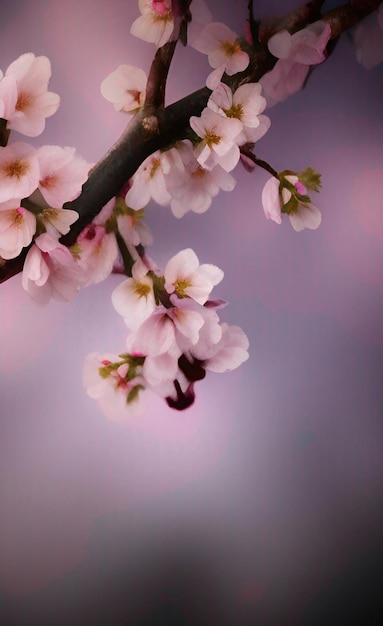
<point x="155" y="89"/>
<point x="147" y="133"/>
<point x="348" y="15"/>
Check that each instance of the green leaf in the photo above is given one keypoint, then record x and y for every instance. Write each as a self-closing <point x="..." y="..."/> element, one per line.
<point x="310" y="179"/>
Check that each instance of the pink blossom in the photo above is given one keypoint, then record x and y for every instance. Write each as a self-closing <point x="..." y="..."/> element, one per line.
<point x="62" y="174"/>
<point x="17" y="227"/>
<point x="97" y="252"/>
<point x="218" y="136"/>
<point x="117" y="397"/>
<point x="156" y="22"/>
<point x="34" y="101"/>
<point x="149" y="180"/>
<point x="8" y="96"/>
<point x="246" y="105"/>
<point x="58" y="221"/>
<point x="223" y="49"/>
<point x="19" y="171"/>
<point x="228" y="353"/>
<point x="368" y="39"/>
<point x="134" y="300"/>
<point x="185" y="277"/>
<point x="296" y="53"/>
<point x="306" y="214"/>
<point x="193" y="188"/>
<point x="50" y="271"/>
<point x="271" y="200"/>
<point x="125" y="88"/>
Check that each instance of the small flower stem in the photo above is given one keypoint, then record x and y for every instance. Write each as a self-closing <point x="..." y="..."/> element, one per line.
<point x="127" y="258"/>
<point x="264" y="164"/>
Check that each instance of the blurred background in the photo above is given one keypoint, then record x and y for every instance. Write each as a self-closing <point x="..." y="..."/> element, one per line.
<point x="261" y="504"/>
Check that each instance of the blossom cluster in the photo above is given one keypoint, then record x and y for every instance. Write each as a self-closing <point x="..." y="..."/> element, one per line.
<point x="35" y="183"/>
<point x="176" y="335"/>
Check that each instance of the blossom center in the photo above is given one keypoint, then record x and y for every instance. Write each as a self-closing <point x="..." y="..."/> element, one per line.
<point x="236" y="110"/>
<point x="19" y="217"/>
<point x="49" y="181"/>
<point x="199" y="172"/>
<point x="211" y="138"/>
<point x="230" y="47"/>
<point x="141" y="289"/>
<point x="155" y="165"/>
<point x="135" y="94"/>
<point x="161" y="8"/>
<point x="180" y="287"/>
<point x="23" y="101"/>
<point x="16" y="169"/>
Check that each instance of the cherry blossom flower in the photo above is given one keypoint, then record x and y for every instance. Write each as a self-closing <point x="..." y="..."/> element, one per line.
<point x="228" y="353"/>
<point x="118" y="395"/>
<point x="125" y="88"/>
<point x="223" y="49"/>
<point x="17" y="227"/>
<point x="156" y="22"/>
<point x="304" y="215"/>
<point x="133" y="230"/>
<point x="19" y="171"/>
<point x="368" y="39"/>
<point x="218" y="139"/>
<point x="185" y="277"/>
<point x="245" y="104"/>
<point x="50" y="271"/>
<point x="34" y="101"/>
<point x="149" y="180"/>
<point x="296" y="53"/>
<point x="96" y="252"/>
<point x="134" y="299"/>
<point x="193" y="188"/>
<point x="62" y="174"/>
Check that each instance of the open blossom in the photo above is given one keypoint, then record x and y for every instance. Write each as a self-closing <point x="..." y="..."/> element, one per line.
<point x="185" y="277"/>
<point x="223" y="49"/>
<point x="62" y="174"/>
<point x="156" y="22"/>
<point x="306" y="215"/>
<point x="17" y="227"/>
<point x="50" y="271"/>
<point x="193" y="188"/>
<point x="368" y="39"/>
<point x="246" y="105"/>
<point x="296" y="53"/>
<point x="149" y="180"/>
<point x="218" y="136"/>
<point x="125" y="87"/>
<point x="34" y="101"/>
<point x="19" y="171"/>
<point x="134" y="299"/>
<point x="228" y="353"/>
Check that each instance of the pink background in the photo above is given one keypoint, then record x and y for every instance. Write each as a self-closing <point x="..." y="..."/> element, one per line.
<point x="262" y="504"/>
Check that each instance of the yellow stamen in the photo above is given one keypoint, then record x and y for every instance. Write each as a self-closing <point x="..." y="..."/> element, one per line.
<point x="180" y="288"/>
<point x="141" y="289"/>
<point x="16" y="169"/>
<point x="230" y="47"/>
